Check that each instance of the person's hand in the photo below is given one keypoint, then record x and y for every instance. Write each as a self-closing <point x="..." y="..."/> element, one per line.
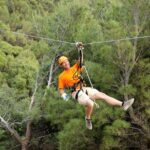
<point x="65" y="97"/>
<point x="79" y="45"/>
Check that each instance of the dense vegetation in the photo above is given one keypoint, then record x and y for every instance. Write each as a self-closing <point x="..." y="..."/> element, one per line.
<point x="120" y="69"/>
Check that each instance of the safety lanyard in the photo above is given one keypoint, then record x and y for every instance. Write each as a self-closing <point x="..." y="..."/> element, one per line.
<point x="80" y="53"/>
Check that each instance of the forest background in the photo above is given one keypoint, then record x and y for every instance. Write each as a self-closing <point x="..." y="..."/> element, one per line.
<point x="32" y="114"/>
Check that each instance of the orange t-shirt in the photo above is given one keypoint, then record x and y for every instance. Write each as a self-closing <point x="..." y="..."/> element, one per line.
<point x="69" y="77"/>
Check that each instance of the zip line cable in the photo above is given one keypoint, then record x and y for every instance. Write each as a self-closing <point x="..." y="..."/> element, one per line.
<point x="39" y="37"/>
<point x="118" y="40"/>
<point x="73" y="43"/>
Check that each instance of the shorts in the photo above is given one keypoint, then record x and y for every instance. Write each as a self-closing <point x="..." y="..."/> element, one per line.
<point x="85" y="95"/>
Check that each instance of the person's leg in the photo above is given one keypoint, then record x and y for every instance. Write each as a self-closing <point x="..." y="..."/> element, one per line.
<point x="114" y="102"/>
<point x="95" y="94"/>
<point x="88" y="112"/>
<point x="84" y="99"/>
<point x="89" y="109"/>
<point x="110" y="100"/>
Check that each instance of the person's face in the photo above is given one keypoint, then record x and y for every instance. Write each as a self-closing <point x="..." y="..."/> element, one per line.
<point x="65" y="65"/>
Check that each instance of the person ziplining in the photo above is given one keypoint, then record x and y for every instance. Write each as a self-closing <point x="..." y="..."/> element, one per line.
<point x="71" y="78"/>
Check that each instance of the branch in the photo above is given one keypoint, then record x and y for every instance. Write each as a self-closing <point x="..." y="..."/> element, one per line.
<point x="35" y="89"/>
<point x="51" y="72"/>
<point x="29" y="122"/>
<point x="28" y="131"/>
<point x="19" y="123"/>
<point x="12" y="131"/>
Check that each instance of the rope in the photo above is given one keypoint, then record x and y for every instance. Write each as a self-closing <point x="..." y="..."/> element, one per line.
<point x="39" y="37"/>
<point x="88" y="76"/>
<point x="118" y="40"/>
<point x="97" y="105"/>
<point x="73" y="43"/>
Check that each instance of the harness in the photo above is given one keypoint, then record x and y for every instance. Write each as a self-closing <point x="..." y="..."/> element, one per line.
<point x="73" y="88"/>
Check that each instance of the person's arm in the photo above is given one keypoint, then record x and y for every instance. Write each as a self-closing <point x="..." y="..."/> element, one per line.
<point x="64" y="96"/>
<point x="61" y="90"/>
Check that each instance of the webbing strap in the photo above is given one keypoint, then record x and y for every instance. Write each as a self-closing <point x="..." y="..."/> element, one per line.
<point x="73" y="88"/>
<point x="80" y="51"/>
<point x="97" y="105"/>
<point x="76" y="96"/>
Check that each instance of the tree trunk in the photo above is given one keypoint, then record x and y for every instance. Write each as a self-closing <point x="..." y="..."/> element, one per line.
<point x="126" y="82"/>
<point x="24" y="145"/>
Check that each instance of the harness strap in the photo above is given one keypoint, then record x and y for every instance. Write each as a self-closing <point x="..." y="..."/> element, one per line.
<point x="77" y="94"/>
<point x="86" y="92"/>
<point x="73" y="88"/>
<point x="97" y="105"/>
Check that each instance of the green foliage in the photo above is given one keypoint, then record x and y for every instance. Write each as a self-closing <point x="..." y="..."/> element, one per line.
<point x="40" y="48"/>
<point x="9" y="49"/>
<point x="111" y="132"/>
<point x="101" y="76"/>
<point x="59" y="112"/>
<point x="72" y="137"/>
<point x="117" y="68"/>
<point x="15" y="109"/>
<point x="2" y="134"/>
<point x="128" y="89"/>
<point x="4" y="13"/>
<point x="142" y="85"/>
